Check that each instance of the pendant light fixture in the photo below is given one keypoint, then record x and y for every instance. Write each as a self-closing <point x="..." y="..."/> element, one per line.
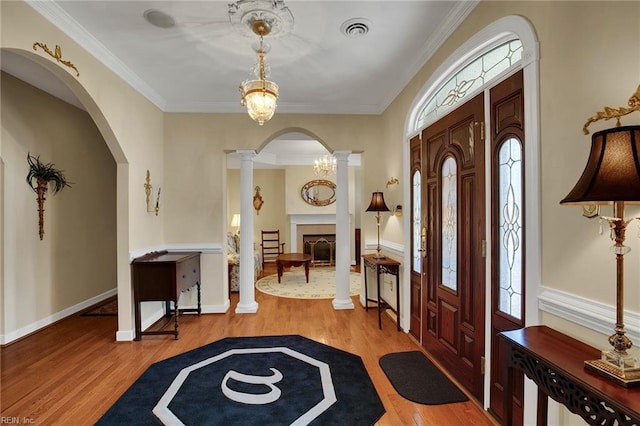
<point x="262" y="18"/>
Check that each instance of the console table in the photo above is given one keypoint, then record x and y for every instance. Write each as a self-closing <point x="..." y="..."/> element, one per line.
<point x="163" y="276"/>
<point x="382" y="266"/>
<point x="555" y="362"/>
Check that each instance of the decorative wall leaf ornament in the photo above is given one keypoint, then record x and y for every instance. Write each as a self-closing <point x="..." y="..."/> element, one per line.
<point x="39" y="178"/>
<point x="56" y="54"/>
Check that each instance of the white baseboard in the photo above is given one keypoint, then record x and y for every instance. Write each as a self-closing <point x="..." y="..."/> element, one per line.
<point x="588" y="313"/>
<point x="129" y="335"/>
<point x="44" y="322"/>
<point x="125" y="336"/>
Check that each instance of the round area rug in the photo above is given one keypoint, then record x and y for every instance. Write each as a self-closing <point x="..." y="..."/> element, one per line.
<point x="322" y="284"/>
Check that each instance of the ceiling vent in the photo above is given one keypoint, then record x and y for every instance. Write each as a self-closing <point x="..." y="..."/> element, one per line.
<point x="356" y="27"/>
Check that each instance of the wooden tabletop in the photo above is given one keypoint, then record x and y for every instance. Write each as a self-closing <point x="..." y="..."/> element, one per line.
<point x="569" y="355"/>
<point x="293" y="257"/>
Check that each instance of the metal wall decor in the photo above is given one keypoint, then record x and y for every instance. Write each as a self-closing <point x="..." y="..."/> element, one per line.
<point x="56" y="54"/>
<point x="319" y="192"/>
<point x="257" y="200"/>
<point x="147" y="190"/>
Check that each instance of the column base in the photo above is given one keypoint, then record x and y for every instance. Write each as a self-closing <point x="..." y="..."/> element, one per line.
<point x="339" y="304"/>
<point x="247" y="308"/>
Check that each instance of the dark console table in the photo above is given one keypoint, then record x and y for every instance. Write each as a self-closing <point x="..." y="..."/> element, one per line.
<point x="163" y="276"/>
<point x="382" y="266"/>
<point x="555" y="362"/>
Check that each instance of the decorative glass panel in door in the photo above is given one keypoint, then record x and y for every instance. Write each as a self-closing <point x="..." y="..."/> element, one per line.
<point x="416" y="253"/>
<point x="510" y="223"/>
<point x="449" y="224"/>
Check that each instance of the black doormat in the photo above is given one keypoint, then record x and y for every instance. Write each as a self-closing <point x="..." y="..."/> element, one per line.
<point x="271" y="380"/>
<point x="417" y="379"/>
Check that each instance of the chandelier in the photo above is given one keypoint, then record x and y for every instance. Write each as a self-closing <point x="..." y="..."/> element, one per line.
<point x="261" y="18"/>
<point x="260" y="95"/>
<point x="325" y="165"/>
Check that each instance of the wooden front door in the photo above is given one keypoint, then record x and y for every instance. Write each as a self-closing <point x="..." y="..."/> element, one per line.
<point x="454" y="216"/>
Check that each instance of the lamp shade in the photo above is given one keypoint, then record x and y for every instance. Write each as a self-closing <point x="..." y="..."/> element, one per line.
<point x="235" y="220"/>
<point x="613" y="169"/>
<point x="377" y="203"/>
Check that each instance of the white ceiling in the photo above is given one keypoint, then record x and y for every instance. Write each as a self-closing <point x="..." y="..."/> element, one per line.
<point x="198" y="64"/>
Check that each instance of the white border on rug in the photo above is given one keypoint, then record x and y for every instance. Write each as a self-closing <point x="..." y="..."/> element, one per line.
<point x="321" y="284"/>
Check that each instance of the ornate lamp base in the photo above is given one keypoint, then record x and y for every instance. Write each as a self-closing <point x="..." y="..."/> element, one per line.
<point x="620" y="368"/>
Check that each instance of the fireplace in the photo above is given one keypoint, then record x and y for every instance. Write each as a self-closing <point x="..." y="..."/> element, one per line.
<point x="321" y="247"/>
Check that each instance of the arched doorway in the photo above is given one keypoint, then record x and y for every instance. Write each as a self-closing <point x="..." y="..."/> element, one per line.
<point x="284" y="164"/>
<point x="72" y="225"/>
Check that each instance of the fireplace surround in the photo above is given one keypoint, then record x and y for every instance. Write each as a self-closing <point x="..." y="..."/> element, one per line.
<point x="321" y="248"/>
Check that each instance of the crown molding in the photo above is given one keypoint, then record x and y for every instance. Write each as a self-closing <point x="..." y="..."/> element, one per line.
<point x="65" y="23"/>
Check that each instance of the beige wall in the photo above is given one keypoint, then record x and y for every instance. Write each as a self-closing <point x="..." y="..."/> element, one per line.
<point x="272" y="215"/>
<point x="573" y="86"/>
<point x="76" y="260"/>
<point x="280" y="191"/>
<point x="131" y="127"/>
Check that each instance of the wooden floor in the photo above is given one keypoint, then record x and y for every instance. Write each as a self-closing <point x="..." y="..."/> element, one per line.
<point x="71" y="372"/>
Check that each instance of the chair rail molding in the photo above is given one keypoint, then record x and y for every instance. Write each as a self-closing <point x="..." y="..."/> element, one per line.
<point x="588" y="313"/>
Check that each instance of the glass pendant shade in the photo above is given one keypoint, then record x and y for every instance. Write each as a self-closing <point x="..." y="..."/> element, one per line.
<point x="260" y="96"/>
<point x="613" y="169"/>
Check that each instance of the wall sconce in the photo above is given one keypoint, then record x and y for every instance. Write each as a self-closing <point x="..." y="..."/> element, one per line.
<point x="397" y="211"/>
<point x="392" y="181"/>
<point x="147" y="190"/>
<point x="612" y="176"/>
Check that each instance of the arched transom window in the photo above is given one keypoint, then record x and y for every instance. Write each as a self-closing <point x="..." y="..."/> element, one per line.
<point x="469" y="80"/>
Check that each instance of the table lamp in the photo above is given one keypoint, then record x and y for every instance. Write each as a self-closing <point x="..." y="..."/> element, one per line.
<point x="378" y="205"/>
<point x="235" y="222"/>
<point x="612" y="177"/>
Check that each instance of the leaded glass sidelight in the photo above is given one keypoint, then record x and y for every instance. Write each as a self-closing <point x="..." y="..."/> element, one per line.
<point x="449" y="225"/>
<point x="416" y="219"/>
<point x="510" y="227"/>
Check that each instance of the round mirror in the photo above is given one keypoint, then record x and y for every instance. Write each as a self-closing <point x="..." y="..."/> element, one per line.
<point x="319" y="192"/>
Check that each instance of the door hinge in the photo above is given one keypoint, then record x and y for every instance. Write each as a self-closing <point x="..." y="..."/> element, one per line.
<point x="484" y="248"/>
<point x="481" y="124"/>
<point x="482" y="365"/>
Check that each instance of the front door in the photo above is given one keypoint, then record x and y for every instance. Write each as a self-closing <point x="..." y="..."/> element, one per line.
<point x="453" y="296"/>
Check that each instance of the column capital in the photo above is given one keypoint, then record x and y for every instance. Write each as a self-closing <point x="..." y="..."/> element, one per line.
<point x="342" y="155"/>
<point x="248" y="154"/>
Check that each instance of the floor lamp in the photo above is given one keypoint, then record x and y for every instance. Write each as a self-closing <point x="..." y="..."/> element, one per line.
<point x="378" y="205"/>
<point x="612" y="177"/>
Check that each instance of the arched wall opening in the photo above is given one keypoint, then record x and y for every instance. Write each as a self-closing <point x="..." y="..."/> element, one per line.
<point x="83" y="224"/>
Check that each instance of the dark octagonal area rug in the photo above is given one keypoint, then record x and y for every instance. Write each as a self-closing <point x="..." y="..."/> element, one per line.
<point x="272" y="380"/>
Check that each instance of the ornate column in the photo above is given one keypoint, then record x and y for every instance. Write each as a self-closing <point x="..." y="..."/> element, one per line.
<point x="247" y="304"/>
<point x="343" y="233"/>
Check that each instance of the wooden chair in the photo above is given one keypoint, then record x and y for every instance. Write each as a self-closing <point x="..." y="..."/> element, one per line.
<point x="271" y="246"/>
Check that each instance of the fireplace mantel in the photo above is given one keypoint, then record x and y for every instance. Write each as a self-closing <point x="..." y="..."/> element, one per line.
<point x="307" y="219"/>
